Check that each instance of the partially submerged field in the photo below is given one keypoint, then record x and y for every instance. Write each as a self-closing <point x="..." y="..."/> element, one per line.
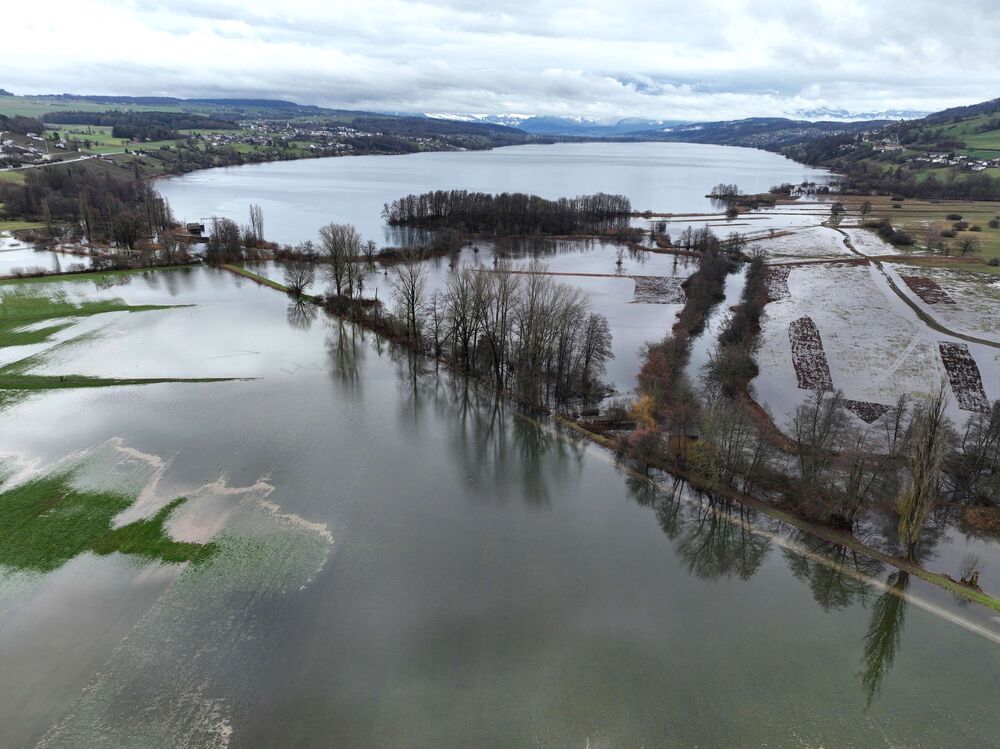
<point x="841" y="326"/>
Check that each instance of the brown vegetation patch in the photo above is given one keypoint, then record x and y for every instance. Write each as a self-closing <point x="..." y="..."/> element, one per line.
<point x="658" y="290"/>
<point x="808" y="356"/>
<point x="776" y="280"/>
<point x="866" y="411"/>
<point x="982" y="519"/>
<point x="928" y="290"/>
<point x="963" y="374"/>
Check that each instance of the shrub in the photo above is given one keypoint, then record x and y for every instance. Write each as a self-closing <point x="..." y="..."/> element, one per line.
<point x="994" y="261"/>
<point x="896" y="205"/>
<point x="954" y="217"/>
<point x="898" y="198"/>
<point x="949" y="233"/>
<point x="960" y="225"/>
<point x="975" y="227"/>
<point x="994" y="223"/>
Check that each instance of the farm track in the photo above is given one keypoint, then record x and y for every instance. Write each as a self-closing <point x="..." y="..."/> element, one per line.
<point x="924" y="317"/>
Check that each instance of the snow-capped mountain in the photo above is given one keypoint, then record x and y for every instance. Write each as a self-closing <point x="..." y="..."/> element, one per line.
<point x="844" y="115"/>
<point x="573" y="126"/>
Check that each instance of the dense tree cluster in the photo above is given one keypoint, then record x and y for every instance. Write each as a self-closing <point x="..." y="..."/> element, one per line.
<point x="20" y="125"/>
<point x="99" y="205"/>
<point x="508" y="213"/>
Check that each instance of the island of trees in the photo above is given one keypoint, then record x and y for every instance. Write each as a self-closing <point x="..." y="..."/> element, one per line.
<point x="509" y="213"/>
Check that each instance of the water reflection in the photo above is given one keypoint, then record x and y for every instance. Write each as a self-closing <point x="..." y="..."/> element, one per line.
<point x="346" y="352"/>
<point x="823" y="570"/>
<point x="883" y="636"/>
<point x="714" y="538"/>
<point x="301" y="314"/>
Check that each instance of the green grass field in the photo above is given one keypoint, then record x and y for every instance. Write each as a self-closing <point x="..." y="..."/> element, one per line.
<point x="48" y="521"/>
<point x="36" y="106"/>
<point x="914" y="216"/>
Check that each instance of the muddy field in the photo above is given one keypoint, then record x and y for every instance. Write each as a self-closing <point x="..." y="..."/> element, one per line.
<point x="841" y="326"/>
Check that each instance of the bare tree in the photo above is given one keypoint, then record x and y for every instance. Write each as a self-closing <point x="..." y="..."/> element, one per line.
<point x="257" y="223"/>
<point x="967" y="246"/>
<point x="341" y="245"/>
<point x="818" y="427"/>
<point x="409" y="282"/>
<point x="299" y="275"/>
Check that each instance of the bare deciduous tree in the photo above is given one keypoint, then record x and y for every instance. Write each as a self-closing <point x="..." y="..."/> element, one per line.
<point x="299" y="275"/>
<point x="409" y="282"/>
<point x="341" y="246"/>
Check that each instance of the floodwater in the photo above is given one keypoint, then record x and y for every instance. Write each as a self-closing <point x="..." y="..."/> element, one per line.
<point x="298" y="197"/>
<point x="590" y="266"/>
<point x="404" y="562"/>
<point x="18" y="257"/>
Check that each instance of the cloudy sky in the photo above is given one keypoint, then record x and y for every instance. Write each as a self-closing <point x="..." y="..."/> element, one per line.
<point x="720" y="59"/>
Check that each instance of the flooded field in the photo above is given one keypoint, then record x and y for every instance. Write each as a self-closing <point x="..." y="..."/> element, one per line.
<point x="231" y="520"/>
<point x="521" y="590"/>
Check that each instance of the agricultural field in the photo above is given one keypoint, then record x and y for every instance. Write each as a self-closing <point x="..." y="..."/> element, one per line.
<point x="814" y="242"/>
<point x="963" y="300"/>
<point x="36" y="106"/>
<point x="915" y="216"/>
<point x="842" y="327"/>
<point x="99" y="137"/>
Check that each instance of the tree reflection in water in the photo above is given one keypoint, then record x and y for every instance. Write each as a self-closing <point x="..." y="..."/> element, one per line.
<point x="301" y="314"/>
<point x="830" y="586"/>
<point x="883" y="636"/>
<point x="490" y="441"/>
<point x="345" y="347"/>
<point x="714" y="538"/>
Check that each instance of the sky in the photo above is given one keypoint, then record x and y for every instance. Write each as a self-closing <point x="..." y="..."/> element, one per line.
<point x="603" y="59"/>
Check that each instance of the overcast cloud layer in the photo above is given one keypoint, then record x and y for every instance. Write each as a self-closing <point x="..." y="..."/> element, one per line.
<point x="598" y="58"/>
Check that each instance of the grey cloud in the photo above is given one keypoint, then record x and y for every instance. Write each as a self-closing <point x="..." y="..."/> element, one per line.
<point x="603" y="58"/>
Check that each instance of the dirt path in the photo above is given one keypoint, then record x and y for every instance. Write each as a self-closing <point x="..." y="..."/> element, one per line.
<point x="924" y="317"/>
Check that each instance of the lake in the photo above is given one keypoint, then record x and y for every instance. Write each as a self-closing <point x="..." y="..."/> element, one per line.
<point x="401" y="560"/>
<point x="298" y="197"/>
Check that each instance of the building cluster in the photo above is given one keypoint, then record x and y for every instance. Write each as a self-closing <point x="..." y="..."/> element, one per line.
<point x="22" y="150"/>
<point x="967" y="163"/>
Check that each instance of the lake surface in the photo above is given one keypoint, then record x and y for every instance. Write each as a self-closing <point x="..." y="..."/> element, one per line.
<point x="405" y="562"/>
<point x="298" y="197"/>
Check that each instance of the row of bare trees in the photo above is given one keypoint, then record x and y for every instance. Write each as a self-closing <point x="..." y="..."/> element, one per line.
<point x="520" y="331"/>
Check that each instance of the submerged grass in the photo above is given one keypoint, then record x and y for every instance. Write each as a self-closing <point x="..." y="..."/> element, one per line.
<point x="28" y="318"/>
<point x="23" y="315"/>
<point x="46" y="522"/>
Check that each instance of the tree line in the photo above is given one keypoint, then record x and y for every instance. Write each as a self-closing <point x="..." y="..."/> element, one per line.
<point x="96" y="203"/>
<point x="519" y="331"/>
<point x="508" y="213"/>
<point x="906" y="460"/>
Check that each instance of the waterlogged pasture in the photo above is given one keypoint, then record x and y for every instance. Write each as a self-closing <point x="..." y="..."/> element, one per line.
<point x="381" y="555"/>
<point x="873" y="345"/>
<point x="974" y="298"/>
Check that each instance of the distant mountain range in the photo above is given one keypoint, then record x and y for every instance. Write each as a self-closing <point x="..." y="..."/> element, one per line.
<point x="580" y="127"/>
<point x="844" y="115"/>
<point x="584" y="127"/>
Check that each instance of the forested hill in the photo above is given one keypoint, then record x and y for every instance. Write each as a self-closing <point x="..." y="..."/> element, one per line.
<point x="70" y="109"/>
<point x="954" y="153"/>
<point x="771" y="133"/>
